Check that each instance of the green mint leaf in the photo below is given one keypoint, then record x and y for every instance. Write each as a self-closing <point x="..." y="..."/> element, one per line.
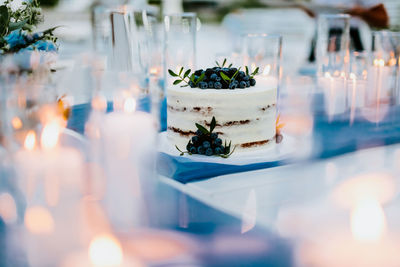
<point x="213" y="124"/>
<point x="230" y="65"/>
<point x="173" y="74"/>
<point x="247" y="71"/>
<point x="187" y="73"/>
<point x="235" y="74"/>
<point x="178" y="149"/>
<point x="223" y="63"/>
<point x="202" y="129"/>
<point x="186" y="85"/>
<point x="180" y="72"/>
<point x="225" y="77"/>
<point x="229" y="154"/>
<point x="216" y="62"/>
<point x="200" y="78"/>
<point x="177" y="82"/>
<point x="192" y="78"/>
<point x="255" y="72"/>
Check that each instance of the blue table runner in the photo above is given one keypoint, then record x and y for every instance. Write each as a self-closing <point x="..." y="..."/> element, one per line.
<point x="332" y="137"/>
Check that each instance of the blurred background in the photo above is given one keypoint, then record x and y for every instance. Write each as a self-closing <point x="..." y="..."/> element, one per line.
<point x="225" y="19"/>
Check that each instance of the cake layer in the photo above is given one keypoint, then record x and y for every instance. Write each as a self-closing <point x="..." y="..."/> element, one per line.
<point x="246" y="117"/>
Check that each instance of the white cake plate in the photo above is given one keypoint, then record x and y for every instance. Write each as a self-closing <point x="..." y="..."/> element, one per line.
<point x="274" y="152"/>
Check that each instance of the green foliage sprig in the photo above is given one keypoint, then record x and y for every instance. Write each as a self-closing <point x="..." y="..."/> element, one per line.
<point x="254" y="73"/>
<point x="185" y="77"/>
<point x="22" y="21"/>
<point x="206" y="134"/>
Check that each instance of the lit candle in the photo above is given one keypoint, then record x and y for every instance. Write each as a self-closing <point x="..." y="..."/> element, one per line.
<point x="127" y="138"/>
<point x="49" y="176"/>
<point x="353" y="97"/>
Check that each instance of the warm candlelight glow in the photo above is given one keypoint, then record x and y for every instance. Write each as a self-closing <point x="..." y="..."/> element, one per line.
<point x="8" y="208"/>
<point x="16" y="123"/>
<point x="336" y="73"/>
<point x="154" y="71"/>
<point x="267" y="70"/>
<point x="368" y="222"/>
<point x="327" y="75"/>
<point x="380" y="186"/>
<point x="379" y="62"/>
<point x="392" y="62"/>
<point x="50" y="135"/>
<point x="38" y="220"/>
<point x="99" y="103"/>
<point x="130" y="105"/>
<point x="105" y="250"/>
<point x="30" y="141"/>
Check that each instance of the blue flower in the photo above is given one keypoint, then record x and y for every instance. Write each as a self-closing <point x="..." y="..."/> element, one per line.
<point x="45" y="46"/>
<point x="15" y="38"/>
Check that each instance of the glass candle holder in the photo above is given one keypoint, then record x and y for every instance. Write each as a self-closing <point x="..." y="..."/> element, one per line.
<point x="357" y="82"/>
<point x="263" y="51"/>
<point x="179" y="42"/>
<point x="333" y="44"/>
<point x="384" y="74"/>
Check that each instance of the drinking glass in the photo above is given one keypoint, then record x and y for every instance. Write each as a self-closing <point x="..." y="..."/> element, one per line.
<point x="101" y="29"/>
<point x="132" y="32"/>
<point x="333" y="44"/>
<point x="179" y="42"/>
<point x="263" y="51"/>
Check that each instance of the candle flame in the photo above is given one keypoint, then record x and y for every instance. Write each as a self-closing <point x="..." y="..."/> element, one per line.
<point x="50" y="135"/>
<point x="130" y="105"/>
<point x="267" y="70"/>
<point x="379" y="62"/>
<point x="99" y="103"/>
<point x="154" y="71"/>
<point x="105" y="250"/>
<point x="16" y="123"/>
<point x="30" y="141"/>
<point x="392" y="62"/>
<point x="368" y="222"/>
<point x="38" y="220"/>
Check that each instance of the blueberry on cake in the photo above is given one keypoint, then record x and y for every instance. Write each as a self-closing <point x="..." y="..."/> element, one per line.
<point x="244" y="109"/>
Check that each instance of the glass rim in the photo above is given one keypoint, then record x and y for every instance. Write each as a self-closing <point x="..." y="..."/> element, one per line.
<point x="386" y="32"/>
<point x="262" y="35"/>
<point x="124" y="9"/>
<point x="334" y="16"/>
<point x="182" y="14"/>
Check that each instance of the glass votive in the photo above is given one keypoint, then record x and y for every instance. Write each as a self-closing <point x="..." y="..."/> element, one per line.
<point x="333" y="44"/>
<point x="357" y="82"/>
<point x="263" y="51"/>
<point x="383" y="74"/>
<point x="179" y="42"/>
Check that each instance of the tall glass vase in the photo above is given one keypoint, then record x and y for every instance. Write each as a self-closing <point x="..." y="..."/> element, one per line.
<point x="333" y="44"/>
<point x="179" y="42"/>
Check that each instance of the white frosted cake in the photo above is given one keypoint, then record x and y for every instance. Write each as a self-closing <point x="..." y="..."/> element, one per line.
<point x="247" y="117"/>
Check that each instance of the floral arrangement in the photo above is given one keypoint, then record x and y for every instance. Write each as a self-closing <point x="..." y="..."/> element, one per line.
<point x="17" y="25"/>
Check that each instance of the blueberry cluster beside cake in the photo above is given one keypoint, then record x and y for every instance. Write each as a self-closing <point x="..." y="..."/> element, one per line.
<point x="245" y="110"/>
